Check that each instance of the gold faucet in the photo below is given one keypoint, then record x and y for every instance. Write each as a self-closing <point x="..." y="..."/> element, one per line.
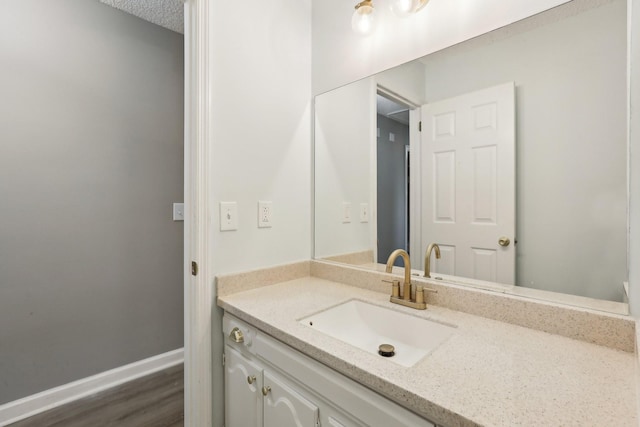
<point x="406" y="300"/>
<point x="427" y="258"/>
<point x="407" y="270"/>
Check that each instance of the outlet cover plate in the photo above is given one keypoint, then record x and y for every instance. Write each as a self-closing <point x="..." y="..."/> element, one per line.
<point x="265" y="214"/>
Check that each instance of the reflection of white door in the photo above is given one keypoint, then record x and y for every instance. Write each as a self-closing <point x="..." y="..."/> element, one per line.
<point x="468" y="183"/>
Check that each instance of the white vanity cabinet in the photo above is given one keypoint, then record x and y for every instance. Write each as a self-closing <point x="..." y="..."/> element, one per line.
<point x="255" y="397"/>
<point x="268" y="383"/>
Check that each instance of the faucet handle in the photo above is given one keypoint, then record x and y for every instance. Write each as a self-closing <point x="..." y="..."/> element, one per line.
<point x="395" y="287"/>
<point x="420" y="290"/>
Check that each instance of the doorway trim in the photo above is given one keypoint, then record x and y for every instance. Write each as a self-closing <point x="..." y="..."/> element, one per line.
<point x="198" y="287"/>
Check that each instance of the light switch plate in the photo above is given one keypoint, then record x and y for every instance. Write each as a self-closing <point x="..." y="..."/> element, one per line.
<point x="346" y="212"/>
<point x="228" y="216"/>
<point x="178" y="211"/>
<point x="364" y="212"/>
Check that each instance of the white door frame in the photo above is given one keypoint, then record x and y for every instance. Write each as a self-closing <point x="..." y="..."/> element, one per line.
<point x="415" y="241"/>
<point x="199" y="288"/>
<point x="407" y="198"/>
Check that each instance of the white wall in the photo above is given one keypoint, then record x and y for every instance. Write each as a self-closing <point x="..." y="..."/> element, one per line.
<point x="260" y="128"/>
<point x="343" y="171"/>
<point x="340" y="56"/>
<point x="571" y="151"/>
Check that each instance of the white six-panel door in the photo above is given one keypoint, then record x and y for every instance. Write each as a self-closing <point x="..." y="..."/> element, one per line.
<point x="468" y="183"/>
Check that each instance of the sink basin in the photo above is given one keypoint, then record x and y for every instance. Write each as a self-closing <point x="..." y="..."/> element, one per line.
<point x="367" y="326"/>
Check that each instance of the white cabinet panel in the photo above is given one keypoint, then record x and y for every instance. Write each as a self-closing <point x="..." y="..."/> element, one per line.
<point x="284" y="407"/>
<point x="243" y="398"/>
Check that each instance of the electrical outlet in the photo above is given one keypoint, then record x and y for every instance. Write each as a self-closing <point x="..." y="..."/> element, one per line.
<point x="228" y="216"/>
<point x="265" y="212"/>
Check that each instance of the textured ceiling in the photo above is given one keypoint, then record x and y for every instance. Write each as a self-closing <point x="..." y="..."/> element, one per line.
<point x="166" y="13"/>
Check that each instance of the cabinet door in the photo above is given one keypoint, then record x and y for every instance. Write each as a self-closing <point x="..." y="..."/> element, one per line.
<point x="337" y="421"/>
<point x="285" y="407"/>
<point x="243" y="398"/>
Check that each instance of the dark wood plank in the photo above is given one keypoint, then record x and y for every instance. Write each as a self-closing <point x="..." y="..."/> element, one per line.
<point x="156" y="400"/>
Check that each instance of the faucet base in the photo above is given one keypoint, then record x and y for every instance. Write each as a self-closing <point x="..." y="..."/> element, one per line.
<point x="409" y="303"/>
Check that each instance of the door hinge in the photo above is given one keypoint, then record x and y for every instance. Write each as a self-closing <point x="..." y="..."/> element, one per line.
<point x="420" y="126"/>
<point x="224" y="359"/>
<point x="194" y="268"/>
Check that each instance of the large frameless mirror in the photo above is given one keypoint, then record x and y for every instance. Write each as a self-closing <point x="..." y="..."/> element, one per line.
<point x="509" y="151"/>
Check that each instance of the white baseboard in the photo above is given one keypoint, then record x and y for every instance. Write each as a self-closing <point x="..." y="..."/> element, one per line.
<point x="49" y="399"/>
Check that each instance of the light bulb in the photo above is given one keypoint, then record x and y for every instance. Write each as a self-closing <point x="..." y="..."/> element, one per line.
<point x="404" y="8"/>
<point x="363" y="21"/>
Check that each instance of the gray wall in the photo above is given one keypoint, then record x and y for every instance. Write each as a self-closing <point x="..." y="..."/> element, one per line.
<point x="91" y="158"/>
<point x="571" y="154"/>
<point x="392" y="212"/>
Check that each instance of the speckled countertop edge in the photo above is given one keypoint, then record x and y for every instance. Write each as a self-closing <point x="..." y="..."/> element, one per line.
<point x="600" y="388"/>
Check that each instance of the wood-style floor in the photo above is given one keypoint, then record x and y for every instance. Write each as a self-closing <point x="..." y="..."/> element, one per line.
<point x="152" y="401"/>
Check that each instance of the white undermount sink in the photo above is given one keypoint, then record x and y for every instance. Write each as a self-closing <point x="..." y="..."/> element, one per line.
<point x="367" y="326"/>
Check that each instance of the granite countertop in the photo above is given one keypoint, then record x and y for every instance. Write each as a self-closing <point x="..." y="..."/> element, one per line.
<point x="489" y="373"/>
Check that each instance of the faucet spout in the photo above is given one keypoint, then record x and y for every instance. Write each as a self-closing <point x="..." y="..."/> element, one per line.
<point x="427" y="258"/>
<point x="407" y="264"/>
<point x="418" y="302"/>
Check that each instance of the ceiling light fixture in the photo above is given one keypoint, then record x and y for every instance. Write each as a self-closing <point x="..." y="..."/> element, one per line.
<point x="404" y="8"/>
<point x="364" y="18"/>
<point x="363" y="21"/>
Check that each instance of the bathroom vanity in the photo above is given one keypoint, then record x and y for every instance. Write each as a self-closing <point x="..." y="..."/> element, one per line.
<point x="270" y="384"/>
<point x="278" y="367"/>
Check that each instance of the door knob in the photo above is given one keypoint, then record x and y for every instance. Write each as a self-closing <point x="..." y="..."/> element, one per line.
<point x="504" y="241"/>
<point x="266" y="390"/>
<point x="251" y="379"/>
<point x="236" y="335"/>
